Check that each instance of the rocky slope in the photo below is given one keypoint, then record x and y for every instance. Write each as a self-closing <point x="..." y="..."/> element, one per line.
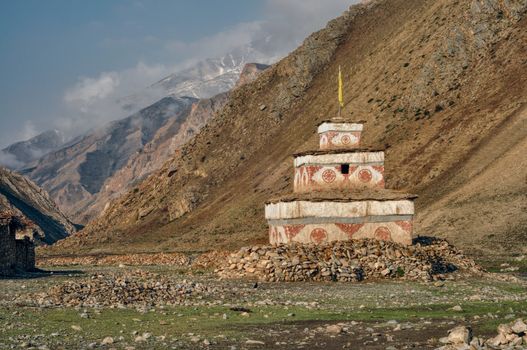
<point x="85" y="174"/>
<point x="23" y="198"/>
<point x="441" y="85"/>
<point x="165" y="143"/>
<point x="76" y="172"/>
<point x="19" y="154"/>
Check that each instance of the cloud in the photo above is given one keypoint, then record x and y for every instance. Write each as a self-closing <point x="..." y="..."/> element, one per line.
<point x="28" y="131"/>
<point x="88" y="90"/>
<point x="220" y="43"/>
<point x="8" y="160"/>
<point x="94" y="101"/>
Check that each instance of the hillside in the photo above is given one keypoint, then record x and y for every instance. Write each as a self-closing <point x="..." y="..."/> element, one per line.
<point x="22" y="198"/>
<point x="85" y="174"/>
<point x="441" y="84"/>
<point x="75" y="173"/>
<point x="165" y="143"/>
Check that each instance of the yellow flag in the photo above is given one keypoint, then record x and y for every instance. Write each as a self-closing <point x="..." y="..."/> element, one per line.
<point x="341" y="100"/>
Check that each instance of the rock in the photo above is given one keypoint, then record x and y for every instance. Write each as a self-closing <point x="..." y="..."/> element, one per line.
<point x="254" y="342"/>
<point x="107" y="341"/>
<point x="345" y="261"/>
<point x="334" y="329"/>
<point x="76" y="328"/>
<point x="497" y="340"/>
<point x="139" y="339"/>
<point x="519" y="326"/>
<point x="460" y="335"/>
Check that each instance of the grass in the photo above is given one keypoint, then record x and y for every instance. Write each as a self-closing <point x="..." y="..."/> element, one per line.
<point x="208" y="322"/>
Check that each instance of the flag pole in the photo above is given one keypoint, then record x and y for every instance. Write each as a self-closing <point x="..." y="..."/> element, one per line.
<point x="340" y="97"/>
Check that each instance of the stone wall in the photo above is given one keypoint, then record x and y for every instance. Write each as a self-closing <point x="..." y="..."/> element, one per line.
<point x="25" y="254"/>
<point x="16" y="255"/>
<point x="310" y="178"/>
<point x="7" y="248"/>
<point x="327" y="221"/>
<point x="339" y="135"/>
<point x="399" y="231"/>
<point x="344" y="171"/>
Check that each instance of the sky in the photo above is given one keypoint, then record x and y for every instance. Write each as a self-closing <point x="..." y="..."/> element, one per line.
<point x="57" y="54"/>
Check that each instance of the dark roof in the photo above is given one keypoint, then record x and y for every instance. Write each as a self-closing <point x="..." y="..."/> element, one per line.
<point x="346" y="196"/>
<point x="336" y="151"/>
<point x="342" y="120"/>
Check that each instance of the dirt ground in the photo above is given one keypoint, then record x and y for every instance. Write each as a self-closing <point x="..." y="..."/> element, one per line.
<point x="242" y="314"/>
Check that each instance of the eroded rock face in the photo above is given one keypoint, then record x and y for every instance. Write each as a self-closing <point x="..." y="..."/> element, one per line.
<point x="28" y="201"/>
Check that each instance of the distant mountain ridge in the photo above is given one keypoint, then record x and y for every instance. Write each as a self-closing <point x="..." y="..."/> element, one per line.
<point x="19" y="154"/>
<point x="89" y="171"/>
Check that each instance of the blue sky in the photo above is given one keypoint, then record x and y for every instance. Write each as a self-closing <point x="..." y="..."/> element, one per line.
<point x="48" y="47"/>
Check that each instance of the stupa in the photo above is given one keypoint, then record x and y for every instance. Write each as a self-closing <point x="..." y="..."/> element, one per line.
<point x="339" y="194"/>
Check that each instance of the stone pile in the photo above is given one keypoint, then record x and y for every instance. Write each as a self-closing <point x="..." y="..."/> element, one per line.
<point x="212" y="259"/>
<point x="426" y="259"/>
<point x="511" y="335"/>
<point x="129" y="289"/>
<point x="128" y="259"/>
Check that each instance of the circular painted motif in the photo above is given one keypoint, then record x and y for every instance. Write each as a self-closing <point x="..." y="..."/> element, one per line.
<point x="329" y="176"/>
<point x="346" y="139"/>
<point x="318" y="235"/>
<point x="383" y="233"/>
<point x="365" y="175"/>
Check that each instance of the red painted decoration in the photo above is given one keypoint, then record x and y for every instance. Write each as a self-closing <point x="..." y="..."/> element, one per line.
<point x="405" y="225"/>
<point x="365" y="175"/>
<point x="349" y="229"/>
<point x="383" y="233"/>
<point x="318" y="235"/>
<point x="329" y="176"/>
<point x="292" y="230"/>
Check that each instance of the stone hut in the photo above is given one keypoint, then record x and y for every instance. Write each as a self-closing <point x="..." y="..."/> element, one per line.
<point x="16" y="254"/>
<point x="339" y="194"/>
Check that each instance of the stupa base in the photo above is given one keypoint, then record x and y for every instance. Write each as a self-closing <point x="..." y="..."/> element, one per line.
<point x="399" y="231"/>
<point x="319" y="220"/>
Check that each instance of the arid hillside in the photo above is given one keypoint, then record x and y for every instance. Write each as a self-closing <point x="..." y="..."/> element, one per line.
<point x="33" y="208"/>
<point x="442" y="86"/>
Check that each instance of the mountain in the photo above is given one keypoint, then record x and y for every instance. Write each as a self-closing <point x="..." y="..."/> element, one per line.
<point x="24" y="199"/>
<point x="76" y="172"/>
<point x="211" y="76"/>
<point x="22" y="153"/>
<point x="441" y="85"/>
<point x="165" y="143"/>
<point x="85" y="174"/>
<point x="203" y="79"/>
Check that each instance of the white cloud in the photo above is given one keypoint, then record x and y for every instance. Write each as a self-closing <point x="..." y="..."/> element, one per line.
<point x="88" y="90"/>
<point x="28" y="131"/>
<point x="9" y="161"/>
<point x="93" y="101"/>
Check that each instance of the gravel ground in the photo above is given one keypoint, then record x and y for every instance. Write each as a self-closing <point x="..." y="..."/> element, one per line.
<point x="175" y="308"/>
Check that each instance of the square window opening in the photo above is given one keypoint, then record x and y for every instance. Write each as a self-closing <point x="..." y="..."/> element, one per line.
<point x="345" y="169"/>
